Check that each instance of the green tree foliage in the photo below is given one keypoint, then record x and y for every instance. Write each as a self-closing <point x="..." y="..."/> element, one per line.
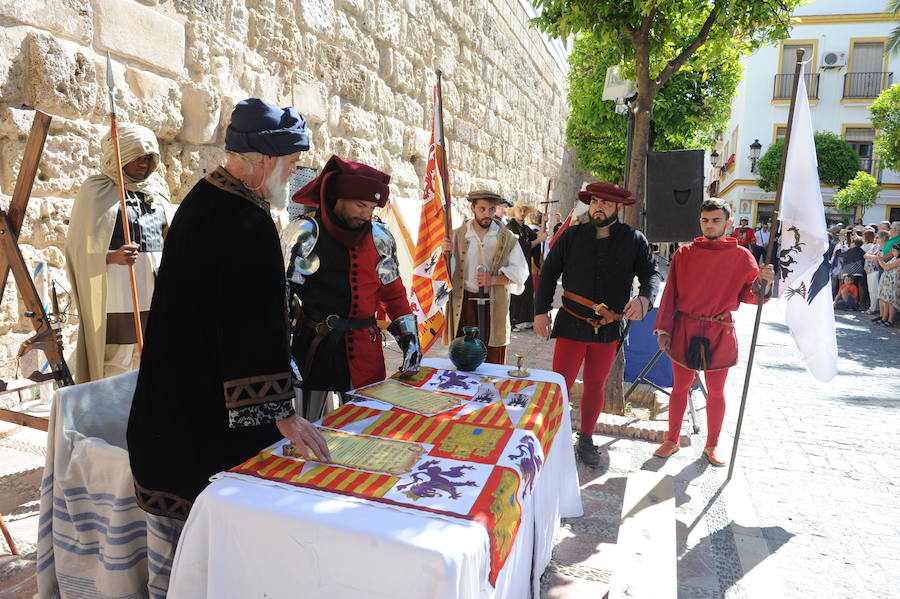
<point x="862" y="191"/>
<point x="886" y="120"/>
<point x="654" y="39"/>
<point x="689" y="111"/>
<point x="838" y="163"/>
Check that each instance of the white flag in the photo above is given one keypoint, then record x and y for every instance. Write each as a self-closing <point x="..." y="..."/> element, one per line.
<point x="805" y="272"/>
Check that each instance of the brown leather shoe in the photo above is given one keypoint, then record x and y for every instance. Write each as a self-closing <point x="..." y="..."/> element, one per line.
<point x="712" y="457"/>
<point x="666" y="449"/>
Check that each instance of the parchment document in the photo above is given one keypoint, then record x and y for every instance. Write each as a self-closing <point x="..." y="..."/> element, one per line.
<point x="367" y="453"/>
<point x="409" y="398"/>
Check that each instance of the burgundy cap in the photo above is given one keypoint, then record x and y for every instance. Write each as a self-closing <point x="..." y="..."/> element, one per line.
<point x="346" y="180"/>
<point x="606" y="191"/>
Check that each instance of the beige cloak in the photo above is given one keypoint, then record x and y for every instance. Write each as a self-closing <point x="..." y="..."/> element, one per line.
<point x="499" y="294"/>
<point x="91" y="227"/>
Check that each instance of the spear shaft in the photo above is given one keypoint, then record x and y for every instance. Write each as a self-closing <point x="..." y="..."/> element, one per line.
<point x="123" y="208"/>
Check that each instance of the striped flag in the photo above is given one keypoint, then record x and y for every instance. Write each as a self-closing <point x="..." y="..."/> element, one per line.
<point x="806" y="282"/>
<point x="431" y="276"/>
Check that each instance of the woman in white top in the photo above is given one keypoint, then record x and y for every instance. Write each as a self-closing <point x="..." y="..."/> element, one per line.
<point x="872" y="247"/>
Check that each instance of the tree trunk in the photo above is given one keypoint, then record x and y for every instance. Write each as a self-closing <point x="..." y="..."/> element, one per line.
<point x="642" y="113"/>
<point x="613" y="389"/>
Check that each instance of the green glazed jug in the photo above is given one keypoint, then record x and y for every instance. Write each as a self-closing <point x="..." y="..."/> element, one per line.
<point x="468" y="352"/>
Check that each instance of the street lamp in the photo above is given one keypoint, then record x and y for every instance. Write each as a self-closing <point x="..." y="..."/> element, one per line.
<point x="755" y="147"/>
<point x="714" y="158"/>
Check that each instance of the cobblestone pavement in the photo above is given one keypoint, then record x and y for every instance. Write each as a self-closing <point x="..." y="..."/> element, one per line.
<point x="813" y="510"/>
<point x="817" y="478"/>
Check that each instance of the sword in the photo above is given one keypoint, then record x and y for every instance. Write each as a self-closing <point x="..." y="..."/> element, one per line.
<point x="481" y="303"/>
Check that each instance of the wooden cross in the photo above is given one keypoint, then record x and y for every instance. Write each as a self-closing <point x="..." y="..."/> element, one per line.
<point x="546" y="211"/>
<point x="47" y="336"/>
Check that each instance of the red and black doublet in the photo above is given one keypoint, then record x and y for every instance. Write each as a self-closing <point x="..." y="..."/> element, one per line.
<point x="352" y="282"/>
<point x="337" y="344"/>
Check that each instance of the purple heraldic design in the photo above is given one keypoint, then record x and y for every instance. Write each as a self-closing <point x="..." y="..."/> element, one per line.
<point x="438" y="481"/>
<point x="529" y="465"/>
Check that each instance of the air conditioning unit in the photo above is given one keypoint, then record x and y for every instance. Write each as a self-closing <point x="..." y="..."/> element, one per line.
<point x="834" y="60"/>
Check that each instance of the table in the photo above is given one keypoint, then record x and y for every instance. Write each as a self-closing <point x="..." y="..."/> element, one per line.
<point x="245" y="538"/>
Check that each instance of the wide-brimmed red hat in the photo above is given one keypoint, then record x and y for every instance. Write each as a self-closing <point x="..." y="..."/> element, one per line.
<point x="606" y="191"/>
<point x="346" y="180"/>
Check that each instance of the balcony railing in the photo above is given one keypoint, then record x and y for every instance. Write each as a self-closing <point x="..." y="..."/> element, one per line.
<point x="866" y="85"/>
<point x="784" y="84"/>
<point x="865" y="164"/>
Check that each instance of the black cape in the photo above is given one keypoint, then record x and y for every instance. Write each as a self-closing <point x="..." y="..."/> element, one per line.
<point x="214" y="374"/>
<point x="521" y="307"/>
<point x="600" y="270"/>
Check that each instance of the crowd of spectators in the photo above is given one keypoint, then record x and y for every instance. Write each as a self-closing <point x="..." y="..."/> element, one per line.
<point x="865" y="269"/>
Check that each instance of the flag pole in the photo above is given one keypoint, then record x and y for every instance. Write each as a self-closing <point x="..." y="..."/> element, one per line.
<point x="123" y="208"/>
<point x="445" y="189"/>
<point x="770" y="247"/>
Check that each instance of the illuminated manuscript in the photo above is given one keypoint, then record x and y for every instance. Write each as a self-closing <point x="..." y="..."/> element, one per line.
<point x="409" y="398"/>
<point x="367" y="453"/>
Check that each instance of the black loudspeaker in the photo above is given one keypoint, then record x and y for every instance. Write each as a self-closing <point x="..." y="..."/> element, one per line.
<point x="674" y="194"/>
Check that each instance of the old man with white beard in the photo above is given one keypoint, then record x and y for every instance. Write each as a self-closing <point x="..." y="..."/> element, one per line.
<point x="215" y="384"/>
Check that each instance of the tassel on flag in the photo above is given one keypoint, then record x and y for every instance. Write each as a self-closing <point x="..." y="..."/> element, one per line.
<point x="431" y="276"/>
<point x="806" y="282"/>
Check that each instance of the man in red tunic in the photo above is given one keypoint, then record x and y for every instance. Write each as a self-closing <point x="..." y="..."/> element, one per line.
<point x="336" y="341"/>
<point x="746" y="237"/>
<point x="708" y="279"/>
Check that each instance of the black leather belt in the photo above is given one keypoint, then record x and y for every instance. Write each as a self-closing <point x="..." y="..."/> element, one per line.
<point x="323" y="327"/>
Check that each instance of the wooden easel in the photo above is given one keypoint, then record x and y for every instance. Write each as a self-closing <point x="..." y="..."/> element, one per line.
<point x="47" y="336"/>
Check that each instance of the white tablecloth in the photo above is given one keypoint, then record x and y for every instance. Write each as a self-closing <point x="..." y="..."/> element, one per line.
<point x="248" y="539"/>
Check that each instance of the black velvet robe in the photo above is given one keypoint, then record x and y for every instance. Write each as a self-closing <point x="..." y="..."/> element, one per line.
<point x="600" y="270"/>
<point x="521" y="307"/>
<point x="215" y="372"/>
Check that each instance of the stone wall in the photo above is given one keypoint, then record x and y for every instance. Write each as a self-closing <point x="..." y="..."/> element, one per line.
<point x="359" y="70"/>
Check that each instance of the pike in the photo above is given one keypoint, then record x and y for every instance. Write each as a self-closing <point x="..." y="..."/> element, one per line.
<point x="123" y="209"/>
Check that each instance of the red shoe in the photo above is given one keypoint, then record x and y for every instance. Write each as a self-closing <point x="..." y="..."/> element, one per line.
<point x="666" y="449"/>
<point x="712" y="457"/>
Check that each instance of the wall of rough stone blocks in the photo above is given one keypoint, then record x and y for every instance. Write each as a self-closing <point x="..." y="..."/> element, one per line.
<point x="359" y="70"/>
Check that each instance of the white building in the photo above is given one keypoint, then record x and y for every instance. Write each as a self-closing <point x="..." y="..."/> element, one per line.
<point x="849" y="69"/>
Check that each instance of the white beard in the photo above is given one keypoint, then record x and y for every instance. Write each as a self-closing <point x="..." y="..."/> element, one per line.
<point x="278" y="192"/>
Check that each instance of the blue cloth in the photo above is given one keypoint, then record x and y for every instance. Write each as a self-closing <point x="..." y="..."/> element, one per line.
<point x="640" y="347"/>
<point x="257" y="126"/>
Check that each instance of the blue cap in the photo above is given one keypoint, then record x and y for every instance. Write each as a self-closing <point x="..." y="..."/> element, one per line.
<point x="257" y="126"/>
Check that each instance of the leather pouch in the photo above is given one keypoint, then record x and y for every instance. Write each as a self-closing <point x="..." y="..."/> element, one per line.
<point x="698" y="354"/>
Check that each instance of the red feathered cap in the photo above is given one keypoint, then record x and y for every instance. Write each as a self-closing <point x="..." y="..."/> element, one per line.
<point x="606" y="191"/>
<point x="342" y="179"/>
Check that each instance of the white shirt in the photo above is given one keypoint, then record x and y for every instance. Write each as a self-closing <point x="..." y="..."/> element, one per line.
<point x="762" y="238"/>
<point x="481" y="251"/>
<point x="118" y="283"/>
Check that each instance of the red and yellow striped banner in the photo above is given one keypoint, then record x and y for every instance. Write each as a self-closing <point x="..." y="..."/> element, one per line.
<point x="407" y="426"/>
<point x="348" y="414"/>
<point x="544" y="414"/>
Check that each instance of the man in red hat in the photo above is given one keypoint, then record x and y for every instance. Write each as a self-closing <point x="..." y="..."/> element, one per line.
<point x="336" y="341"/>
<point x="694" y="324"/>
<point x="598" y="262"/>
